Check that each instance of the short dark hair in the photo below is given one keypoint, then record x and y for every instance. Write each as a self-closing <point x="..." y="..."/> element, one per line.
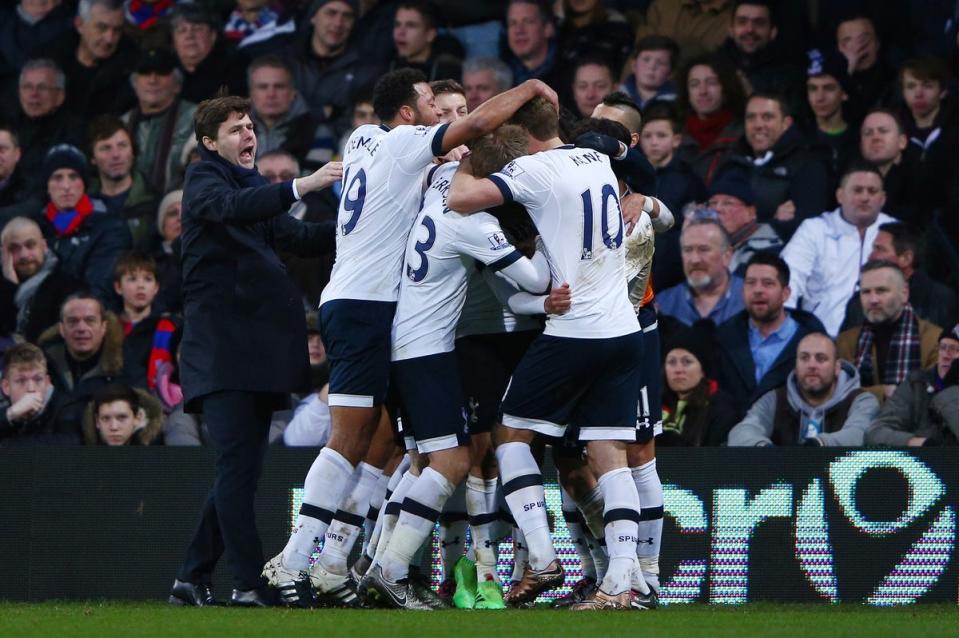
<point x="545" y="11"/>
<point x="493" y="151"/>
<point x="886" y="111"/>
<point x="661" y="110"/>
<point x="133" y="261"/>
<point x="605" y="127"/>
<point x="904" y="238"/>
<point x="658" y="43"/>
<point x="115" y="392"/>
<point x="926" y="68"/>
<point x="396" y="90"/>
<point x="859" y="166"/>
<point x="539" y="118"/>
<point x="215" y="111"/>
<point x="105" y="126"/>
<point x="442" y="87"/>
<point x="622" y="101"/>
<point x="425" y="9"/>
<point x="757" y="3"/>
<point x="269" y="61"/>
<point x="776" y="97"/>
<point x="766" y="258"/>
<point x="593" y="60"/>
<point x="83" y="294"/>
<point x="11" y="131"/>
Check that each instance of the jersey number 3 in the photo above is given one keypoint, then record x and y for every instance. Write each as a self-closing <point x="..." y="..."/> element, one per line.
<point x="421" y="247"/>
<point x="353" y="205"/>
<point x="610" y="241"/>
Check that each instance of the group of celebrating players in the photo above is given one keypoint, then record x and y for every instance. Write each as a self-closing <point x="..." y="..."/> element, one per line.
<point x="434" y="309"/>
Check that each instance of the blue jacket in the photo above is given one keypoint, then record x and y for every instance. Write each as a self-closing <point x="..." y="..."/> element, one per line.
<point x="244" y="323"/>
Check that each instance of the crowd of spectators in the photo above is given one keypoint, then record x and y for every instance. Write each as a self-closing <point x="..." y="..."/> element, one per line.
<point x="807" y="293"/>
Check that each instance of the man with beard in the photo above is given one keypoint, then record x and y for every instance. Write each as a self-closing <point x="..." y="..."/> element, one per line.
<point x="33" y="285"/>
<point x="893" y="341"/>
<point x="710" y="290"/>
<point x="755" y="349"/>
<point x="820" y="405"/>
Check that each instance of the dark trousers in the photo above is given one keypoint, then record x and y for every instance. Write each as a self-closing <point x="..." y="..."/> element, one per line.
<point x="239" y="426"/>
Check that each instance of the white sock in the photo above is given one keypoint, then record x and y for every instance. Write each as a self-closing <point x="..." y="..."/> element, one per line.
<point x="324" y="486"/>
<point x="348" y="520"/>
<point x="592" y="506"/>
<point x="523" y="489"/>
<point x="421" y="508"/>
<point x="482" y="519"/>
<point x="597" y="551"/>
<point x="577" y="534"/>
<point x="650" y="490"/>
<point x="452" y="532"/>
<point x="622" y="516"/>
<point x="520" y="554"/>
<point x="373" y="514"/>
<point x="391" y="512"/>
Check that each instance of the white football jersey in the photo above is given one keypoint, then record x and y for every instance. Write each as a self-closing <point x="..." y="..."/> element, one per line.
<point x="441" y="250"/>
<point x="382" y="187"/>
<point x="572" y="196"/>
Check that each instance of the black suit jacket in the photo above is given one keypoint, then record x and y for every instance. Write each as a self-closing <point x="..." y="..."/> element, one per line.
<point x="244" y="322"/>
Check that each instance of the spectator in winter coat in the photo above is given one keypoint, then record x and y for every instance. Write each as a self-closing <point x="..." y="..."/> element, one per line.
<point x="924" y="409"/>
<point x="821" y="403"/>
<point x="731" y="196"/>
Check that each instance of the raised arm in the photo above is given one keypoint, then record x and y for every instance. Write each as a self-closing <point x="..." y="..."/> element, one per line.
<point x="469" y="194"/>
<point x="494" y="112"/>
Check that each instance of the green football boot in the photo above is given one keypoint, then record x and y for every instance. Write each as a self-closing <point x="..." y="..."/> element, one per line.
<point x="489" y="595"/>
<point x="464" y="573"/>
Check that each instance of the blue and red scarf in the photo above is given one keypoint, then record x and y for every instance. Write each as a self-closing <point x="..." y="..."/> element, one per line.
<point x="144" y="14"/>
<point x="66" y="222"/>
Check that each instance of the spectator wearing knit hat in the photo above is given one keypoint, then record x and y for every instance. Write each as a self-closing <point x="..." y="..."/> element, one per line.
<point x="826" y="81"/>
<point x="696" y="412"/>
<point x="731" y="196"/>
<point x="85" y="237"/>
<point x="924" y="409"/>
<point x="167" y="253"/>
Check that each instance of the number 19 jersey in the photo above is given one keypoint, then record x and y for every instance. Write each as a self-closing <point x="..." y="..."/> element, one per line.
<point x="382" y="188"/>
<point x="571" y="194"/>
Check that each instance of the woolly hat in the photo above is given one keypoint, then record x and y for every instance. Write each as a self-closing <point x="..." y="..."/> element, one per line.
<point x="318" y="4"/>
<point x="734" y="183"/>
<point x="695" y="340"/>
<point x="65" y="156"/>
<point x="828" y="62"/>
<point x="950" y="333"/>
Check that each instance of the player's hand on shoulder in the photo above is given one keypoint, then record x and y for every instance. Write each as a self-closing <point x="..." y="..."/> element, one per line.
<point x="632" y="206"/>
<point x="455" y="155"/>
<point x="559" y="300"/>
<point x="329" y="173"/>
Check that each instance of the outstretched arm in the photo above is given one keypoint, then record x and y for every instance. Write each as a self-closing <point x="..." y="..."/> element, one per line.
<point x="494" y="112"/>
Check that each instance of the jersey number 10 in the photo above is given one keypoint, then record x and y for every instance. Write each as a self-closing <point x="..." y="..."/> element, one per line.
<point x="610" y="241"/>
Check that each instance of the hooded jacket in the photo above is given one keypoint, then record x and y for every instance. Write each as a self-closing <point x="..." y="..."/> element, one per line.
<point x="782" y="416"/>
<point x="76" y="393"/>
<point x="149" y="434"/>
<point x="824" y="258"/>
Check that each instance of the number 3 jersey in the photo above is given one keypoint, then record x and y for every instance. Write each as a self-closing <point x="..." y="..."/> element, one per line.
<point x="571" y="195"/>
<point x="382" y="186"/>
<point x="442" y="249"/>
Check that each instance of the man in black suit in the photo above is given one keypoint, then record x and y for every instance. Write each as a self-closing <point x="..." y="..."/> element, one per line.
<point x="244" y="342"/>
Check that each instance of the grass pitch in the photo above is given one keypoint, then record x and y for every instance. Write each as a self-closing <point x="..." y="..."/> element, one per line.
<point x="104" y="619"/>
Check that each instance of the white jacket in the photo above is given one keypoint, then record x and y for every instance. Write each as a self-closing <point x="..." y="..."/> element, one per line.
<point x="824" y="258"/>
